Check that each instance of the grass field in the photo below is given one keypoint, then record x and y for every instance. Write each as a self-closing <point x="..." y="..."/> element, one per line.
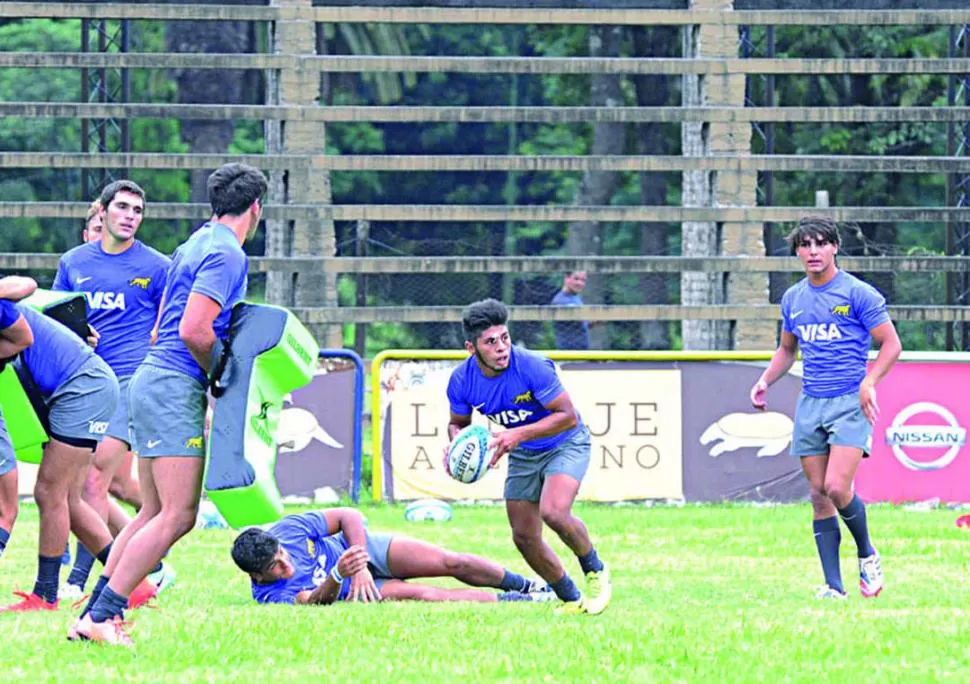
<point x="701" y="594"/>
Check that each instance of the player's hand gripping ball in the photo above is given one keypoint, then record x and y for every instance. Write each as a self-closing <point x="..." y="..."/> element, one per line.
<point x="469" y="455"/>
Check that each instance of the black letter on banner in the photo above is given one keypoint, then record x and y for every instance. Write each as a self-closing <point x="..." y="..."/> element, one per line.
<point x="609" y="406"/>
<point x="417" y="423"/>
<point x="637" y="419"/>
<point x="655" y="456"/>
<point x="421" y="456"/>
<point x="617" y="461"/>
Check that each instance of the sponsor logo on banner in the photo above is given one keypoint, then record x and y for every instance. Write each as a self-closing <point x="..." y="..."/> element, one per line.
<point x="298" y="427"/>
<point x="769" y="432"/>
<point x="907" y="439"/>
<point x="919" y="446"/>
<point x="635" y="427"/>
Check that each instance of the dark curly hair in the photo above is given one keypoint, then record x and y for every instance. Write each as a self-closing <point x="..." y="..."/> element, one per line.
<point x="480" y="316"/>
<point x="254" y="549"/>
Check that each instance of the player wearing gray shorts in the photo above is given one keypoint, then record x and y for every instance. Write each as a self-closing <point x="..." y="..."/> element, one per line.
<point x="207" y="278"/>
<point x="326" y="556"/>
<point x="833" y="316"/>
<point x="80" y="393"/>
<point x="546" y="441"/>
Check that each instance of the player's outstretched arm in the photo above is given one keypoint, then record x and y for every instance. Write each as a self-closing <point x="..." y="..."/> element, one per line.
<point x="349" y="521"/>
<point x="781" y="361"/>
<point x="352" y="561"/>
<point x="16" y="288"/>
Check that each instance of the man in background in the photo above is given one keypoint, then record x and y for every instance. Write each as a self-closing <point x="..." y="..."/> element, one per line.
<point x="571" y="334"/>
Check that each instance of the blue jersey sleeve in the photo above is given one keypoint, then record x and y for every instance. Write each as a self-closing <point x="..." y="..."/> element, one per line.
<point x="546" y="385"/>
<point x="158" y="281"/>
<point x="218" y="275"/>
<point x="869" y="305"/>
<point x="457" y="397"/>
<point x="786" y="322"/>
<point x="312" y="525"/>
<point x="62" y="281"/>
<point x="8" y="314"/>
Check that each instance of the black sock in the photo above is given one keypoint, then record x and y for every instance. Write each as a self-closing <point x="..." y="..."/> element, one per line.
<point x="156" y="568"/>
<point x="854" y="517"/>
<point x="83" y="562"/>
<point x="565" y="589"/>
<point x="110" y="604"/>
<point x="590" y="562"/>
<point x="48" y="575"/>
<point x="4" y="538"/>
<point x="827" y="540"/>
<point x="104" y="553"/>
<point x="514" y="582"/>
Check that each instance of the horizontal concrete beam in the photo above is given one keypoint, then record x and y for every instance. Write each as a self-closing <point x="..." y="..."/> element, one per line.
<point x="478" y="163"/>
<point x="481" y="15"/>
<point x="446" y="314"/>
<point x="549" y="264"/>
<point x="497" y="213"/>
<point x="221" y="112"/>
<point x="484" y="65"/>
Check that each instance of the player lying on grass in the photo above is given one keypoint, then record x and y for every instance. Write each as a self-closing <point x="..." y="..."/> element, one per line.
<point x="325" y="556"/>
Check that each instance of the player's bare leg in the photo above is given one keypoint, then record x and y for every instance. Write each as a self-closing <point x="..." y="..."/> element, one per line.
<point x="843" y="463"/>
<point x="408" y="558"/>
<point x="9" y="506"/>
<point x="397" y="590"/>
<point x="124" y="485"/>
<point x="825" y="525"/>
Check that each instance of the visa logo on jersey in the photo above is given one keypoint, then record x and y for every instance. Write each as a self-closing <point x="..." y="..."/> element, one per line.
<point x="818" y="332"/>
<point x="106" y="301"/>
<point x="513" y="417"/>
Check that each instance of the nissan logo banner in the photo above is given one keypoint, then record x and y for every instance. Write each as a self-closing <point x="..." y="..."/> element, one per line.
<point x="919" y="445"/>
<point x="686" y="430"/>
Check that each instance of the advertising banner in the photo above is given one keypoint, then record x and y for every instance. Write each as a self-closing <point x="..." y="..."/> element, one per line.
<point x="635" y="426"/>
<point x="733" y="452"/>
<point x="919" y="443"/>
<point x="316" y="434"/>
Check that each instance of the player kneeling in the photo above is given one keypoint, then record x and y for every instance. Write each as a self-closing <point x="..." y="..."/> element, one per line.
<point x="325" y="556"/>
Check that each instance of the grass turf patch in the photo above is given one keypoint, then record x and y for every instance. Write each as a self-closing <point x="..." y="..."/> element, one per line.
<point x="701" y="593"/>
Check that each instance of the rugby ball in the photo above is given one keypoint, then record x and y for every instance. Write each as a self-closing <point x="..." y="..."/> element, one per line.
<point x="433" y="510"/>
<point x="468" y="455"/>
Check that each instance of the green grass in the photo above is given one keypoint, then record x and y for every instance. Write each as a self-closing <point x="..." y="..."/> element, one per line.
<point x="701" y="594"/>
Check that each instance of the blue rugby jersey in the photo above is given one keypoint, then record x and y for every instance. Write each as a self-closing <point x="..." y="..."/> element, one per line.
<point x="211" y="262"/>
<point x="56" y="354"/>
<point x="515" y="397"/>
<point x="833" y="323"/>
<point x="313" y="553"/>
<point x="123" y="293"/>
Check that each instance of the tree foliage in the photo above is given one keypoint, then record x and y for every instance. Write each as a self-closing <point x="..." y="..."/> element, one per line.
<point x="525" y="188"/>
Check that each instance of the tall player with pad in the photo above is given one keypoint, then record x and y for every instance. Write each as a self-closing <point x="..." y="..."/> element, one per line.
<point x="122" y="280"/>
<point x="547" y="444"/>
<point x="832" y="316"/>
<point x="167" y="394"/>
